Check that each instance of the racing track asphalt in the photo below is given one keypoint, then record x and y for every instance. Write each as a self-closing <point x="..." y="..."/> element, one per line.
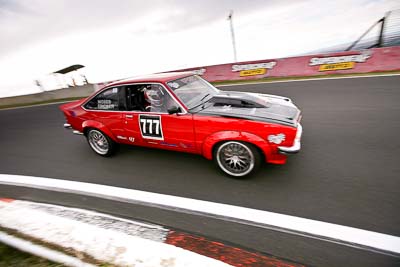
<point x="347" y="172"/>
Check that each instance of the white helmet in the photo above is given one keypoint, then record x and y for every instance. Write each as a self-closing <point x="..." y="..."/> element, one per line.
<point x="154" y="95"/>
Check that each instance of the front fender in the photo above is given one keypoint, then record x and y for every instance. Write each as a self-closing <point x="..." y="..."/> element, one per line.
<point x="217" y="137"/>
<point x="99" y="126"/>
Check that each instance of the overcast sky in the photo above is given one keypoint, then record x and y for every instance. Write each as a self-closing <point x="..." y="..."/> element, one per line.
<point x="121" y="38"/>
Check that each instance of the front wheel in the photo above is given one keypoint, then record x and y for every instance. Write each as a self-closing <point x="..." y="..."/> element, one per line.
<point x="237" y="159"/>
<point x="100" y="143"/>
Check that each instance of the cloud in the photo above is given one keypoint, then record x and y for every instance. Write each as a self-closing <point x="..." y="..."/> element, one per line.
<point x="23" y="23"/>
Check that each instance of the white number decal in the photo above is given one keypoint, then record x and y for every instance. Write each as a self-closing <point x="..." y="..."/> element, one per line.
<point x="157" y="126"/>
<point x="150" y="122"/>
<point x="143" y="121"/>
<point x="150" y="126"/>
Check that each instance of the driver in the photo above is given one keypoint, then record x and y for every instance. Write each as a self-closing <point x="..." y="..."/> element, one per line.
<point x="154" y="98"/>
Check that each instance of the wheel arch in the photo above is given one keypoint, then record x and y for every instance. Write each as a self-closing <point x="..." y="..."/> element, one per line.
<point x="214" y="140"/>
<point x="216" y="145"/>
<point x="99" y="126"/>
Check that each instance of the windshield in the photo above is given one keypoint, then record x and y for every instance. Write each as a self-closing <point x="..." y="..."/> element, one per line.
<point x="192" y="90"/>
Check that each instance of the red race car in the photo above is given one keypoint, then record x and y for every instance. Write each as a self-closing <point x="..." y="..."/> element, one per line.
<point x="183" y="112"/>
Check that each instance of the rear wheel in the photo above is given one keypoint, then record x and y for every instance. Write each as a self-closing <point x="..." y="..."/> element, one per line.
<point x="100" y="143"/>
<point x="237" y="159"/>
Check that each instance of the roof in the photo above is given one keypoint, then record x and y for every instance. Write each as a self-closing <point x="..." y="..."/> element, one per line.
<point x="69" y="69"/>
<point x="158" y="77"/>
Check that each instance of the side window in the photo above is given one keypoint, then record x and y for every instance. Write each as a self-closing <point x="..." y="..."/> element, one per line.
<point x="134" y="97"/>
<point x="149" y="98"/>
<point x="107" y="100"/>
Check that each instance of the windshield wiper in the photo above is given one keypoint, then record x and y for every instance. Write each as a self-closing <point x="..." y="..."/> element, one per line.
<point x="201" y="103"/>
<point x="204" y="97"/>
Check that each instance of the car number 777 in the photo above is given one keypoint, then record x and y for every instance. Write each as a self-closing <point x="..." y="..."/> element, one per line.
<point x="151" y="126"/>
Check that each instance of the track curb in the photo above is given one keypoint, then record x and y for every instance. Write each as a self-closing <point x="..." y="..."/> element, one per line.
<point x="102" y="238"/>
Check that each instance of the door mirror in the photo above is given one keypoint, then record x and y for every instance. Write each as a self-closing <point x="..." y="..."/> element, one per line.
<point x="174" y="110"/>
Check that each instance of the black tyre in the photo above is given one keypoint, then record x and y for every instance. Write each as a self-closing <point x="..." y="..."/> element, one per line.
<point x="100" y="143"/>
<point x="237" y="159"/>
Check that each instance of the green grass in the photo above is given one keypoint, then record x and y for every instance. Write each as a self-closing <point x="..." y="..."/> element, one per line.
<point x="11" y="257"/>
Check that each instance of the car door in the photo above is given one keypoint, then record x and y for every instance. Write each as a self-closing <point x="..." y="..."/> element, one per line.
<point x="148" y="123"/>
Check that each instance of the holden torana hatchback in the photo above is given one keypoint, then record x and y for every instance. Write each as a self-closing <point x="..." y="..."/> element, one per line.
<point x="183" y="112"/>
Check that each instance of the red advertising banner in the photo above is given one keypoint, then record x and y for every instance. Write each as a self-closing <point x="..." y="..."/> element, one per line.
<point x="371" y="60"/>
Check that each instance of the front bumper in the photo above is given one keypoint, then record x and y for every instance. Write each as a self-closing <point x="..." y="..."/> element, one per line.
<point x="297" y="143"/>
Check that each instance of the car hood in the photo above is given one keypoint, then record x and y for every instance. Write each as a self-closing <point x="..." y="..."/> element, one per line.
<point x="252" y="106"/>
